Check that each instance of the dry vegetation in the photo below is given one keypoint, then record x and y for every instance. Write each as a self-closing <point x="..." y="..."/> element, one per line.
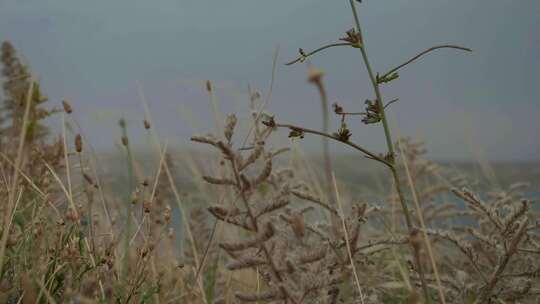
<point x="261" y="223"/>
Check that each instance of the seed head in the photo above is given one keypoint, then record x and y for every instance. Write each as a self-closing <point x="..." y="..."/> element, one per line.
<point x="89" y="180"/>
<point x="298" y="225"/>
<point x="337" y="108"/>
<point x="315" y="76"/>
<point x="78" y="143"/>
<point x="352" y="37"/>
<point x="167" y="214"/>
<point x="147" y="204"/>
<point x="122" y="123"/>
<point x="230" y="123"/>
<point x="135" y="196"/>
<point x="146" y="124"/>
<point x="67" y="107"/>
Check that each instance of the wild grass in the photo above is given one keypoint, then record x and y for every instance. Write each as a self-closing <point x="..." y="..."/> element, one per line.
<point x="256" y="221"/>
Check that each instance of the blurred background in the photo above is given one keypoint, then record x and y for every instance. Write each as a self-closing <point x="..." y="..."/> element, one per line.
<point x="104" y="56"/>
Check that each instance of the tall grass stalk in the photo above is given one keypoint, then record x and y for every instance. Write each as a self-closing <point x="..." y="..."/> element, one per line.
<point x="388" y="136"/>
<point x="180" y="204"/>
<point x="10" y="210"/>
<point x="347" y="238"/>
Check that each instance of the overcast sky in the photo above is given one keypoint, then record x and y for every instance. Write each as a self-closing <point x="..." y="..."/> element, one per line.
<point x="462" y="105"/>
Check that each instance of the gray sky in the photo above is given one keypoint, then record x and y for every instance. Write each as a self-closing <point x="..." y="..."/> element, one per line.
<point x="462" y="105"/>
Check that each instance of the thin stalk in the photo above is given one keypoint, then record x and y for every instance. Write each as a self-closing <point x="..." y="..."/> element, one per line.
<point x="367" y="153"/>
<point x="306" y="55"/>
<point x="373" y="80"/>
<point x="346" y="235"/>
<point x="181" y="205"/>
<point x="90" y="202"/>
<point x="95" y="167"/>
<point x="433" y="48"/>
<point x="18" y="162"/>
<point x="387" y="134"/>
<point x="423" y="225"/>
<point x="316" y="79"/>
<point x="129" y="205"/>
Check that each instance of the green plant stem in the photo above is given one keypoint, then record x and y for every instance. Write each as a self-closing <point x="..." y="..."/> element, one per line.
<point x="305" y="56"/>
<point x="367" y="153"/>
<point x="433" y="48"/>
<point x="395" y="176"/>
<point x="387" y="132"/>
<point x="389" y="143"/>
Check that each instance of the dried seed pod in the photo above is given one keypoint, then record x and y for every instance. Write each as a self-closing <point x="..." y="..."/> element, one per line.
<point x="167" y="213"/>
<point x="147" y="204"/>
<point x="312" y="255"/>
<point x="222" y="212"/>
<point x="67" y="107"/>
<point x="209" y="86"/>
<point x="298" y="225"/>
<point x="246" y="184"/>
<point x="230" y="123"/>
<point x="89" y="180"/>
<point x="204" y="139"/>
<point x="146" y="124"/>
<point x="78" y="143"/>
<point x="255" y="154"/>
<point x="135" y="196"/>
<point x="270" y="295"/>
<point x="246" y="262"/>
<point x="218" y="181"/>
<point x="315" y="75"/>
<point x="125" y="141"/>
<point x="263" y="236"/>
<point x="265" y="173"/>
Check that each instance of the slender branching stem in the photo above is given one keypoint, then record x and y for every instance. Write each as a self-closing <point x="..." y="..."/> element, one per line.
<point x="306" y="55"/>
<point x="366" y="152"/>
<point x="401" y="197"/>
<point x="424" y="53"/>
<point x="388" y="136"/>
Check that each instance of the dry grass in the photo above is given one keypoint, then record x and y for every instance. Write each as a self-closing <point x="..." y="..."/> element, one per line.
<point x="258" y="223"/>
